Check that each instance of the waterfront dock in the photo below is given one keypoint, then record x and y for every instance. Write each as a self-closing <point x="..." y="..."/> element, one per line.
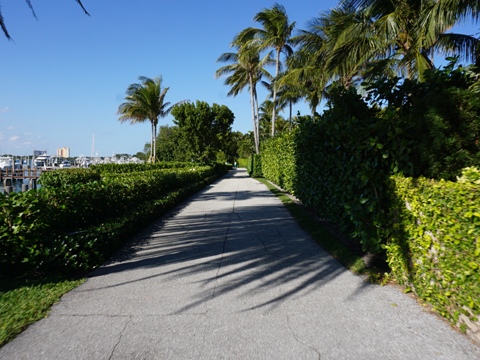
<point x="21" y="174"/>
<point x="9" y="176"/>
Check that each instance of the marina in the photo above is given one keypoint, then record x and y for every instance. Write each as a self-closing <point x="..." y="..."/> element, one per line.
<point x="21" y="173"/>
<point x="14" y="180"/>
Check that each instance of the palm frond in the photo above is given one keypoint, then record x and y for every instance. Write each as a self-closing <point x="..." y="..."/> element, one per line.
<point x="81" y="5"/>
<point x="465" y="46"/>
<point x="31" y="8"/>
<point x="29" y="3"/>
<point x="2" y="25"/>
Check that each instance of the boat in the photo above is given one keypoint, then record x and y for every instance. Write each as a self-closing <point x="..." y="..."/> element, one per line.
<point x="18" y="164"/>
<point x="65" y="164"/>
<point x="6" y="162"/>
<point x="83" y="161"/>
<point x="42" y="160"/>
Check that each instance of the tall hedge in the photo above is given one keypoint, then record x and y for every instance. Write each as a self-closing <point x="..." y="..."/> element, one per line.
<point x="339" y="164"/>
<point x="434" y="244"/>
<point x="278" y="161"/>
<point x="356" y="165"/>
<point x="254" y="167"/>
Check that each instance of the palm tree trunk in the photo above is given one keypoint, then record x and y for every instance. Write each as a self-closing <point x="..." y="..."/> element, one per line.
<point x="154" y="142"/>
<point x="274" y="97"/>
<point x="254" y="117"/>
<point x="257" y="119"/>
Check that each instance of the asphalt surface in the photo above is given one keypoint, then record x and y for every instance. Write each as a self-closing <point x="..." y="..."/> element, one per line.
<point x="230" y="275"/>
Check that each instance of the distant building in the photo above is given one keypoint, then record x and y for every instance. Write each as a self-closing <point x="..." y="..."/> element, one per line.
<point x="63" y="152"/>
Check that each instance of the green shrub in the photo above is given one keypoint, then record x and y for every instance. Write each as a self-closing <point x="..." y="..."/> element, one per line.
<point x="341" y="165"/>
<point x="75" y="227"/>
<point x="439" y="117"/>
<point x="254" y="167"/>
<point x="470" y="175"/>
<point x="66" y="177"/>
<point x="434" y="244"/>
<point x="279" y="162"/>
<point x="131" y="167"/>
<point x="338" y="165"/>
<point x="243" y="163"/>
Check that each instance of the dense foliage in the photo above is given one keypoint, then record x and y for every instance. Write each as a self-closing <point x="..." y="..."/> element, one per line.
<point x="354" y="41"/>
<point x="70" y="176"/>
<point x="172" y="146"/>
<point x="434" y="244"/>
<point x="70" y="227"/>
<point x="243" y="162"/>
<point x="254" y="166"/>
<point x="278" y="161"/>
<point x="108" y="169"/>
<point x="350" y="165"/>
<point x="439" y="117"/>
<point x="203" y="129"/>
<point x="340" y="163"/>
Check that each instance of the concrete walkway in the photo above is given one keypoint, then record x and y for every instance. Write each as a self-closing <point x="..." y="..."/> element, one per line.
<point x="230" y="275"/>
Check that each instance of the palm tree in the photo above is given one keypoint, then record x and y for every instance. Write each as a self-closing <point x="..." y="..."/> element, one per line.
<point x="264" y="118"/>
<point x="29" y="3"/>
<point x="275" y="34"/>
<point x="401" y="36"/>
<point x="441" y="16"/>
<point x="307" y="74"/>
<point x="345" y="43"/>
<point x="146" y="101"/>
<point x="288" y="96"/>
<point x="316" y="64"/>
<point x="246" y="69"/>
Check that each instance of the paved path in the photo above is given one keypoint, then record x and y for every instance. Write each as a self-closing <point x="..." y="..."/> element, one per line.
<point x="231" y="276"/>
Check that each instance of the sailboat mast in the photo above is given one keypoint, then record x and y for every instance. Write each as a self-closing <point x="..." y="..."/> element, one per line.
<point x="93" y="146"/>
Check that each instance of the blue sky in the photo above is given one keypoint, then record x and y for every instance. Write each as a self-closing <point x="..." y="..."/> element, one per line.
<point x="65" y="74"/>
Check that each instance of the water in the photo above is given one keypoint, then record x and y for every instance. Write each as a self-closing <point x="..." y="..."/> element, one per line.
<point x="17" y="185"/>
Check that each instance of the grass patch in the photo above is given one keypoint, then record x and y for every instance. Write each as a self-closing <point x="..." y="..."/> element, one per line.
<point x="325" y="238"/>
<point x="24" y="301"/>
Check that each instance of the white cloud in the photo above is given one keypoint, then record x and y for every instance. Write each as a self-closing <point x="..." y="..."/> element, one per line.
<point x="14" y="138"/>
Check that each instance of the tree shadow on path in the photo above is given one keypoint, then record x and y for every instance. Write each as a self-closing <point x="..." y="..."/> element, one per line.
<point x="241" y="243"/>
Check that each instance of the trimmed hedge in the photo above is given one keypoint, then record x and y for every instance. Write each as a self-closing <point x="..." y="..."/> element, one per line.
<point x="434" y="245"/>
<point x="131" y="167"/>
<point x="254" y="167"/>
<point x="66" y="177"/>
<point x="429" y="229"/>
<point x="75" y="227"/>
<point x="278" y="161"/>
<point x="340" y="164"/>
<point x="346" y="184"/>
